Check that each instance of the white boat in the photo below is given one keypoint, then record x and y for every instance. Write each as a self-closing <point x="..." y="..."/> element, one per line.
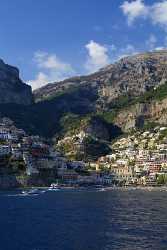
<point x="34" y="191"/>
<point x="54" y="187"/>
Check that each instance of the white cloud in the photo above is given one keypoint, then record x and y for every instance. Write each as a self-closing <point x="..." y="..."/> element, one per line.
<point x="47" y="61"/>
<point x="100" y="56"/>
<point x="159" y="48"/>
<point x="134" y="10"/>
<point x="156" y="13"/>
<point x="51" y="69"/>
<point x="40" y="80"/>
<point x="151" y="42"/>
<point x="128" y="50"/>
<point x="97" y="56"/>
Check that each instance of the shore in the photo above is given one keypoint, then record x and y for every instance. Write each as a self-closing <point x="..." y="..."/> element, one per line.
<point x="111" y="188"/>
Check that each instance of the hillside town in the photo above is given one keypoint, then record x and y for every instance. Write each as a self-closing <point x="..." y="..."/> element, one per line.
<point x="139" y="159"/>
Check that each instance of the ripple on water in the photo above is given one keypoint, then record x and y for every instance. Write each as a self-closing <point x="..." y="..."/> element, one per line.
<point x="111" y="220"/>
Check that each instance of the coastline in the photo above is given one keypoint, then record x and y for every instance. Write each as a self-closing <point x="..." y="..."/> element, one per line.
<point x="65" y="188"/>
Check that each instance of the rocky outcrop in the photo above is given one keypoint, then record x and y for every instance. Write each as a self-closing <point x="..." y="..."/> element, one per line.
<point x="12" y="89"/>
<point x="136" y="116"/>
<point x="99" y="129"/>
<point x="134" y="75"/>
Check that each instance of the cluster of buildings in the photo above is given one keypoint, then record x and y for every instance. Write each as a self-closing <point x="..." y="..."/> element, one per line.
<point x="74" y="144"/>
<point x="22" y="154"/>
<point x="138" y="159"/>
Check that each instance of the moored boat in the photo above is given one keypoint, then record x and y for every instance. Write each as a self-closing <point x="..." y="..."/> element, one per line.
<point x="54" y="187"/>
<point x="34" y="191"/>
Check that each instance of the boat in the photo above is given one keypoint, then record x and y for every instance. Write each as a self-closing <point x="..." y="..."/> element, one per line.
<point x="54" y="187"/>
<point x="34" y="191"/>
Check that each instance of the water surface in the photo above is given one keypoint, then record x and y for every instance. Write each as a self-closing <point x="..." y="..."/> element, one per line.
<point x="84" y="220"/>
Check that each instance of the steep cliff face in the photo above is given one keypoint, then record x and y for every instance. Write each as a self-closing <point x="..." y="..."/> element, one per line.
<point x="136" y="116"/>
<point x="134" y="75"/>
<point x="12" y="89"/>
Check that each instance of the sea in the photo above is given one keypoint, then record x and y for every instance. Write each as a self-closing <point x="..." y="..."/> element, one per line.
<point x="84" y="220"/>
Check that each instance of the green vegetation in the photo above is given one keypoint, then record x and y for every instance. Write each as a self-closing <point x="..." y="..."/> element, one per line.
<point x="162" y="179"/>
<point x="150" y="125"/>
<point x="158" y="94"/>
<point x="17" y="166"/>
<point x="163" y="134"/>
<point x="60" y="93"/>
<point x="95" y="148"/>
<point x="108" y="116"/>
<point x="70" y="123"/>
<point x="2" y="142"/>
<point x="44" y="118"/>
<point x="123" y="101"/>
<point x="65" y="110"/>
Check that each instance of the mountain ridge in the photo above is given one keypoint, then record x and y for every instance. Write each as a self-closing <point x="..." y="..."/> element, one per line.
<point x="104" y="94"/>
<point x="113" y="79"/>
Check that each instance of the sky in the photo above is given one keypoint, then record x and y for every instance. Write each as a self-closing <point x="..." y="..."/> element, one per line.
<point x="50" y="40"/>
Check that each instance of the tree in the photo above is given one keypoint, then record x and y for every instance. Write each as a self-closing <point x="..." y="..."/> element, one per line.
<point x="162" y="179"/>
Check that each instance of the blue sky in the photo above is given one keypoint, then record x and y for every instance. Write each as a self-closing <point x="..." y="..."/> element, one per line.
<point x="54" y="39"/>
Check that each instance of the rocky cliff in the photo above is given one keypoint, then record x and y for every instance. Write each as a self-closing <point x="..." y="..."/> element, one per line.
<point x="125" y="94"/>
<point x="141" y="114"/>
<point x="131" y="76"/>
<point x="128" y="93"/>
<point x="12" y="89"/>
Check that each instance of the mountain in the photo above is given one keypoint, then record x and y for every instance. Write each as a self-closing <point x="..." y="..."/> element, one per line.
<point x="131" y="93"/>
<point x="12" y="89"/>
<point x="130" y="76"/>
<point x="112" y="89"/>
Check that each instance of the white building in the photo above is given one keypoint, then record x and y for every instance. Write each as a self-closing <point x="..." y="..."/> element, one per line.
<point x="4" y="135"/>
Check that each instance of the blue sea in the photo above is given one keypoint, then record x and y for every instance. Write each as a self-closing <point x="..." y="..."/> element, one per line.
<point x="84" y="220"/>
